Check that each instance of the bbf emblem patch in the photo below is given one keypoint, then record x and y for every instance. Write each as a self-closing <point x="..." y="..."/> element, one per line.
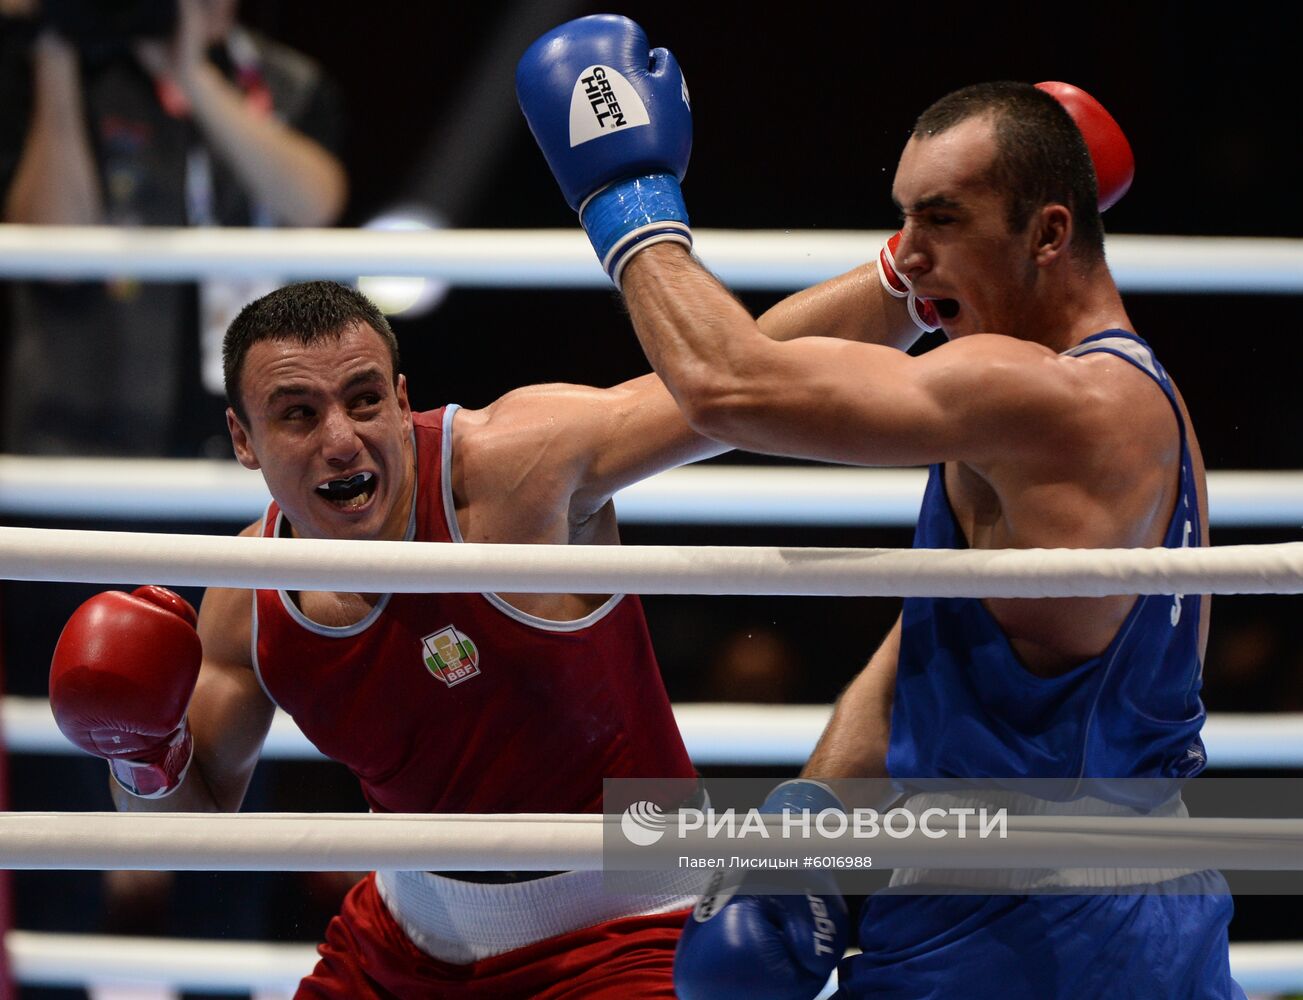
<point x="451" y="656"/>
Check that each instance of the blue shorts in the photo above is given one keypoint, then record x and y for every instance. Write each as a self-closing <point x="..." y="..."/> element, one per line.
<point x="1046" y="946"/>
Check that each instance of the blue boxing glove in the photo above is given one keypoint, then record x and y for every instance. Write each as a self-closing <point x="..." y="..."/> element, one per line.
<point x="613" y="121"/>
<point x="764" y="945"/>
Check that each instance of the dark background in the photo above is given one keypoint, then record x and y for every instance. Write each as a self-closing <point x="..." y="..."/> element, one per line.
<point x="800" y="113"/>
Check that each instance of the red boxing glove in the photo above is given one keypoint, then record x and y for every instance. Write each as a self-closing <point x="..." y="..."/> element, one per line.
<point x="1115" y="166"/>
<point x="121" y="679"/>
<point x="921" y="311"/>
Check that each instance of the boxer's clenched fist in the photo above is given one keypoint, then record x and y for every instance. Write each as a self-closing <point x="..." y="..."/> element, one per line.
<point x="121" y="679"/>
<point x="748" y="941"/>
<point x="1115" y="166"/>
<point x="612" y="118"/>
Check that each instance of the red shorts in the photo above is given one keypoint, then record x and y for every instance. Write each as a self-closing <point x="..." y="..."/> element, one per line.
<point x="367" y="955"/>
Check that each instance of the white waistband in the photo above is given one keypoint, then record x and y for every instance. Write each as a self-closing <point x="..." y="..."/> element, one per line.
<point x="462" y="922"/>
<point x="1036" y="879"/>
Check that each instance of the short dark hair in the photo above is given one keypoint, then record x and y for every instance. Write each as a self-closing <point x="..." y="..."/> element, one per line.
<point x="307" y="313"/>
<point x="1041" y="157"/>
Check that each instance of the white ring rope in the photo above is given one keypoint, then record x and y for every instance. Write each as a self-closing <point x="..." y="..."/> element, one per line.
<point x="39" y="959"/>
<point x="198" y="489"/>
<point x="744" y="259"/>
<point x="98" y="841"/>
<point x="784" y="735"/>
<point x="724" y="734"/>
<point x="432" y="567"/>
<point x="55" y="960"/>
<point x="299" y="842"/>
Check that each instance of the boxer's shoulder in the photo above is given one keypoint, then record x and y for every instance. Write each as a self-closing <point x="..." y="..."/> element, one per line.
<point x="540" y="431"/>
<point x="515" y="464"/>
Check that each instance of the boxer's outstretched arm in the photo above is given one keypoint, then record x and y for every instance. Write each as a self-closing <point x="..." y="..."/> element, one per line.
<point x="569" y="448"/>
<point x="851" y="306"/>
<point x="607" y="439"/>
<point x="635" y="429"/>
<point x="975" y="399"/>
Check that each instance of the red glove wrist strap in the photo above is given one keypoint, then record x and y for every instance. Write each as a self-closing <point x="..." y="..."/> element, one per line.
<point x="921" y="311"/>
<point x="154" y="779"/>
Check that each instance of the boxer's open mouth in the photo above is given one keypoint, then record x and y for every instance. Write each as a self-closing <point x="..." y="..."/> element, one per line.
<point x="349" y="493"/>
<point x="947" y="309"/>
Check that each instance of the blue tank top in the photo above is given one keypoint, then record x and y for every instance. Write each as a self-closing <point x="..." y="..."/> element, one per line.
<point x="965" y="706"/>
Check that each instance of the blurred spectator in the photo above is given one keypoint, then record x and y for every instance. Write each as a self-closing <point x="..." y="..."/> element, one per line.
<point x="755" y="664"/>
<point x="142" y="113"/>
<point x="146" y="112"/>
<point x="1253" y="657"/>
<point x="1244" y="663"/>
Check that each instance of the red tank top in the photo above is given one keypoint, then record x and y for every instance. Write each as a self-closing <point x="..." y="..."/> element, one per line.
<point x="459" y="702"/>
